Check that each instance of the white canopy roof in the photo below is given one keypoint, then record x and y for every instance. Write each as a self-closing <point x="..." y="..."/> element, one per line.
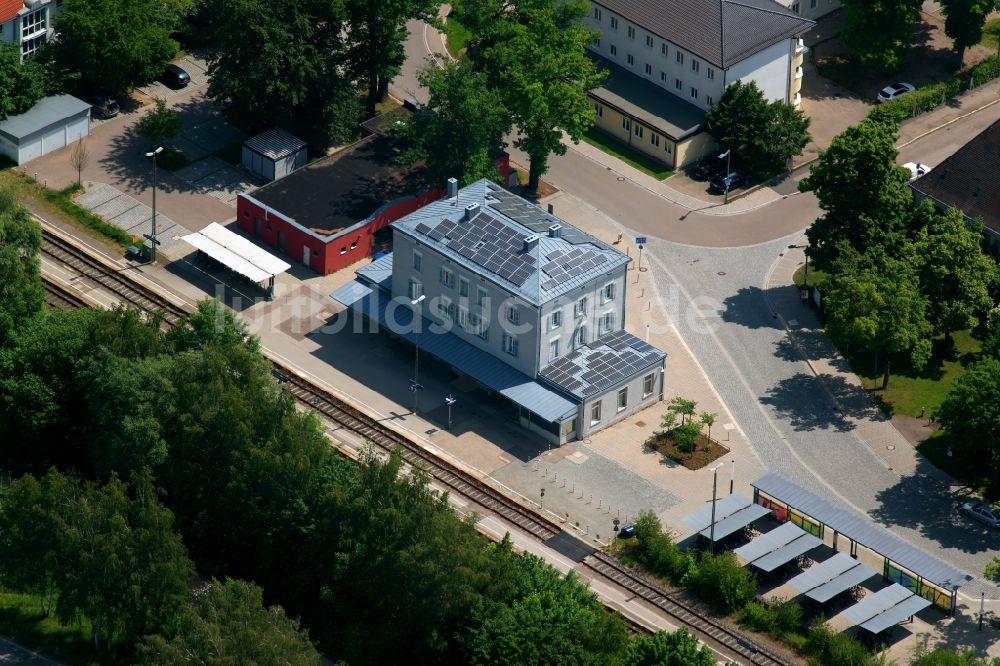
<point x="237" y="253"/>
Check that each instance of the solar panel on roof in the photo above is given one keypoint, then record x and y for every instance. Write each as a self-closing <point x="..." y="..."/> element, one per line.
<point x="423" y="228"/>
<point x="845" y="581"/>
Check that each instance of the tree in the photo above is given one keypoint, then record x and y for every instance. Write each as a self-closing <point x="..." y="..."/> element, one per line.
<point x="79" y="159"/>
<point x="685" y="408"/>
<point x="22" y="293"/>
<point x="992" y="569"/>
<point x="862" y="191"/>
<point x="114" y="45"/>
<point x="532" y="53"/>
<point x="964" y="21"/>
<point x="971" y="415"/>
<point x="877" y="304"/>
<point x="708" y="420"/>
<point x="464" y="128"/>
<point x="879" y="31"/>
<point x="161" y="124"/>
<point x="955" y="276"/>
<point x="377" y="32"/>
<point x="677" y="648"/>
<point x="229" y="624"/>
<point x="763" y="136"/>
<point x="21" y="83"/>
<point x="284" y="63"/>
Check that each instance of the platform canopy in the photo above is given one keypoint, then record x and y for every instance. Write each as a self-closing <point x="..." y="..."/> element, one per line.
<point x="782" y="544"/>
<point x="883" y="609"/>
<point x="237" y="253"/>
<point x="732" y="513"/>
<point x="825" y="580"/>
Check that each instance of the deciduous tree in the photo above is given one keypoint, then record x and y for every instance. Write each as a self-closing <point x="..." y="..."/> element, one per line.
<point x="532" y="53"/>
<point x="463" y="131"/>
<point x="22" y="293"/>
<point x="21" y="83"/>
<point x="677" y="648"/>
<point x="862" y="192"/>
<point x="880" y="31"/>
<point x="79" y="159"/>
<point x="971" y="414"/>
<point x="114" y="45"/>
<point x="964" y="21"/>
<point x="161" y="124"/>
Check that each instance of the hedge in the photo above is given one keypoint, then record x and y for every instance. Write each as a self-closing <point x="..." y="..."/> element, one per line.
<point x="930" y="97"/>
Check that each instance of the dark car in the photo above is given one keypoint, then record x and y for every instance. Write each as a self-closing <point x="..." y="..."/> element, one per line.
<point x="708" y="168"/>
<point x="103" y="106"/>
<point x="175" y="77"/>
<point x="627" y="531"/>
<point x="730" y="181"/>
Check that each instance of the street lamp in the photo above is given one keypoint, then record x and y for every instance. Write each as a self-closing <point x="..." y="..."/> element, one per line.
<point x="152" y="236"/>
<point x="711" y="537"/>
<point x="415" y="384"/>
<point x="450" y="401"/>
<point x="726" y="181"/>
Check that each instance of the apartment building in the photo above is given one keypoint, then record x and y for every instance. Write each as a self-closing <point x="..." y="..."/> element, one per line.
<point x="27" y="23"/>
<point x="811" y="9"/>
<point x="522" y="302"/>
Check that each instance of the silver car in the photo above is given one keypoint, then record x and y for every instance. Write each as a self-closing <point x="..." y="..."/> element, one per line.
<point x="894" y="91"/>
<point x="982" y="512"/>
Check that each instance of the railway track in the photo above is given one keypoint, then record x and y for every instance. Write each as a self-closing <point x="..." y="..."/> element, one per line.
<point x="454" y="478"/>
<point x="714" y="633"/>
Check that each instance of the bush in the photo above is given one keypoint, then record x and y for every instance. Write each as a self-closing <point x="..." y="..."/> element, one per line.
<point x="172" y="159"/>
<point x="832" y="649"/>
<point x="722" y="582"/>
<point x="655" y="549"/>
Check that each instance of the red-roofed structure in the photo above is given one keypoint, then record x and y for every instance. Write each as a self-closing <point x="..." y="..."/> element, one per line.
<point x="9" y="9"/>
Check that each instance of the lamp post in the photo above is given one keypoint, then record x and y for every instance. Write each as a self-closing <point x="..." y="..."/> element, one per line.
<point x="715" y="474"/>
<point x="415" y="385"/>
<point x="152" y="236"/>
<point x="732" y="477"/>
<point x="450" y="401"/>
<point x="727" y="156"/>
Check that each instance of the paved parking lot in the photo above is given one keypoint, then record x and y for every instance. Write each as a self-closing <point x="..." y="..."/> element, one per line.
<point x="217" y="178"/>
<point x="195" y="66"/>
<point x="129" y="214"/>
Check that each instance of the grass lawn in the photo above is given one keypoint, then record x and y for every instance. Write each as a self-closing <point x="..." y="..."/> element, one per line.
<point x="456" y="35"/>
<point x="909" y="390"/>
<point x="970" y="471"/>
<point x="628" y="155"/>
<point x="991" y="33"/>
<point x="816" y="278"/>
<point x="22" y="622"/>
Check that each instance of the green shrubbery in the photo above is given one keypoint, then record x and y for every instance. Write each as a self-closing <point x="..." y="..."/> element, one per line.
<point x="778" y="618"/>
<point x="930" y="97"/>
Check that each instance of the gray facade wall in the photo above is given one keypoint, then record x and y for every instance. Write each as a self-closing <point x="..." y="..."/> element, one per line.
<point x="609" y="402"/>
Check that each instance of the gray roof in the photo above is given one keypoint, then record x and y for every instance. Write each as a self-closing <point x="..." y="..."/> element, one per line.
<point x="378" y="273"/>
<point x="723" y="32"/>
<point x="459" y="354"/>
<point x="602" y="364"/>
<point x="647" y="102"/>
<point x="885" y="608"/>
<point x="782" y="544"/>
<point x="47" y="111"/>
<point x="275" y="143"/>
<point x="822" y="582"/>
<point x="732" y="512"/>
<point x="493" y="243"/>
<point x="862" y="530"/>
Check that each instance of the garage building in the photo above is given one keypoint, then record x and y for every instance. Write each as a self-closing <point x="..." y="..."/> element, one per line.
<point x="52" y="123"/>
<point x="274" y="154"/>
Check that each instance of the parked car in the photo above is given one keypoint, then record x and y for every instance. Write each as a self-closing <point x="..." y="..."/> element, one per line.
<point x="916" y="169"/>
<point x="708" y="167"/>
<point x="103" y="106"/>
<point x="627" y="531"/>
<point x="175" y="77"/>
<point x="723" y="182"/>
<point x="982" y="512"/>
<point x="894" y="91"/>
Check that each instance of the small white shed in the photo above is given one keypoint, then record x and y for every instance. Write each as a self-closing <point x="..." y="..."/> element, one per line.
<point x="274" y="154"/>
<point x="52" y="123"/>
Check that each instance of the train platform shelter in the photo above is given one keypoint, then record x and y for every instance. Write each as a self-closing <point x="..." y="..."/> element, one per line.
<point x="825" y="580"/>
<point x="777" y="547"/>
<point x="881" y="610"/>
<point x="238" y="255"/>
<point x="732" y="513"/>
<point x="903" y="563"/>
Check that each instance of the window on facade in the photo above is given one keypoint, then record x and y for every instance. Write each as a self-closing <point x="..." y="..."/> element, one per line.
<point x="695" y="65"/>
<point x="648" y="383"/>
<point x="354" y="245"/>
<point x="553" y="350"/>
<point x="625" y="124"/>
<point x="663" y="48"/>
<point x="556" y="320"/>
<point x="599" y="110"/>
<point x="480" y="296"/>
<point x="463" y="287"/>
<point x="463" y="317"/>
<point x="614" y="22"/>
<point x="678" y="84"/>
<point x="614" y="49"/>
<point x="447" y="278"/>
<point x="417" y="261"/>
<point x="812" y="4"/>
<point x="597" y="42"/>
<point x="609" y="288"/>
<point x="631" y="32"/>
<point x="638" y="130"/>
<point x="629" y="59"/>
<point x="667" y="147"/>
<point x="649" y="69"/>
<point x="679" y="57"/>
<point x="795" y="7"/>
<point x="654" y="139"/>
<point x="581" y="337"/>
<point x="580" y="307"/>
<point x="444" y="307"/>
<point x="416" y="289"/>
<point x="694" y="93"/>
<point x="478" y="327"/>
<point x="343" y="250"/>
<point x="607" y="322"/>
<point x="710" y="73"/>
<point x="513" y="314"/>
<point x="30" y="46"/>
<point x="649" y="41"/>
<point x="510" y="344"/>
<point x="622" y="398"/>
<point x="595" y="413"/>
<point x="663" y="76"/>
<point x="34" y="23"/>
<point x="709" y="100"/>
<point x="597" y="13"/>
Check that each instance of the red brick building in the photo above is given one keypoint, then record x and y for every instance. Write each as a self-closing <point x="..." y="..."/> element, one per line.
<point x="336" y="211"/>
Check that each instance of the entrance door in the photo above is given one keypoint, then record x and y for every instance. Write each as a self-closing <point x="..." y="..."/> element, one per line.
<point x="305" y="256"/>
<point x="281" y="241"/>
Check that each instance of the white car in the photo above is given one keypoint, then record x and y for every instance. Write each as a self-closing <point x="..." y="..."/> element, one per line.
<point x="982" y="512"/>
<point x="916" y="169"/>
<point x="894" y="91"/>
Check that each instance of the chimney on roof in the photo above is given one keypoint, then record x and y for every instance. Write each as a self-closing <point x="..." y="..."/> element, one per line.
<point x="452" y="188"/>
<point x="555" y="231"/>
<point x="530" y="242"/>
<point x="470" y="211"/>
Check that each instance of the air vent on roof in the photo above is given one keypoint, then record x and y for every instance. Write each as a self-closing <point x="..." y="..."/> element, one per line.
<point x="555" y="231"/>
<point x="470" y="211"/>
<point x="530" y="242"/>
<point x="452" y="188"/>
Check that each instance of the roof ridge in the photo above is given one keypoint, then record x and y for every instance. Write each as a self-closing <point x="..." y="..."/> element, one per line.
<point x="767" y="10"/>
